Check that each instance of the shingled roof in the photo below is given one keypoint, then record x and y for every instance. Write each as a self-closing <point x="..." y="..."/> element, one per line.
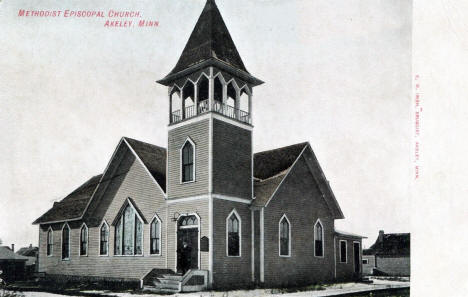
<point x="73" y="205"/>
<point x="210" y="39"/>
<point x="154" y="158"/>
<point x="391" y="244"/>
<point x="270" y="168"/>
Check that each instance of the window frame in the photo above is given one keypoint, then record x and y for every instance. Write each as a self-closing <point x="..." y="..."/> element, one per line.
<point x="346" y="251"/>
<point x="69" y="245"/>
<point x="128" y="203"/>
<point x="367" y="261"/>
<point x="156" y="217"/>
<point x="50" y="252"/>
<point x="323" y="239"/>
<point x="81" y="240"/>
<point x="193" y="160"/>
<point x="234" y="212"/>
<point x="104" y="223"/>
<point x="284" y="217"/>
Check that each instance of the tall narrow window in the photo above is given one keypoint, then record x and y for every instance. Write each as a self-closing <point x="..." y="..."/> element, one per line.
<point x="284" y="237"/>
<point x="188" y="162"/>
<point x="233" y="235"/>
<point x="318" y="239"/>
<point x="50" y="242"/>
<point x="343" y="251"/>
<point x="66" y="242"/>
<point x="129" y="233"/>
<point x="155" y="237"/>
<point x="104" y="240"/>
<point x="84" y="241"/>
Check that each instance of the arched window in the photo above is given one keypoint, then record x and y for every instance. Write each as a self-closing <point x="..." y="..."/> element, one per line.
<point x="233" y="235"/>
<point x="155" y="236"/>
<point x="66" y="242"/>
<point x="318" y="239"/>
<point x="284" y="237"/>
<point x="84" y="240"/>
<point x="129" y="233"/>
<point x="104" y="240"/>
<point x="176" y="105"/>
<point x="188" y="161"/>
<point x="50" y="242"/>
<point x="188" y="99"/>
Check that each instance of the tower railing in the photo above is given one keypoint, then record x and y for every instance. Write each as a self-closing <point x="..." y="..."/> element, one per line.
<point x="218" y="107"/>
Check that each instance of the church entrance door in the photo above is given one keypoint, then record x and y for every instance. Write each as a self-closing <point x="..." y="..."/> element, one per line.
<point x="187" y="243"/>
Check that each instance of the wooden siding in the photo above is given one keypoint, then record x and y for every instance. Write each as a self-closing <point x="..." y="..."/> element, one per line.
<point x="232" y="160"/>
<point x="300" y="199"/>
<point x="199" y="133"/>
<point x="345" y="271"/>
<point x="136" y="184"/>
<point x="231" y="272"/>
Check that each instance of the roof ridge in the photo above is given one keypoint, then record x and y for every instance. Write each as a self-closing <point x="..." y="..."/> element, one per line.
<point x="282" y="147"/>
<point x="144" y="142"/>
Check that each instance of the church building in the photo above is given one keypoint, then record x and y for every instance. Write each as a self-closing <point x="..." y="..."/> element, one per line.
<point x="205" y="212"/>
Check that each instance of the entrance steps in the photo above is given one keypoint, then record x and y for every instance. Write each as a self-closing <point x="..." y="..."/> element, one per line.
<point x="158" y="281"/>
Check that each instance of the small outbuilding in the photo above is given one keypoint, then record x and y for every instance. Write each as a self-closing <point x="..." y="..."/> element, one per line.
<point x="11" y="265"/>
<point x="389" y="255"/>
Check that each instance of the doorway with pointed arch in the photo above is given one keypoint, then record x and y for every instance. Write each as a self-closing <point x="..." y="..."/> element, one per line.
<point x="188" y="239"/>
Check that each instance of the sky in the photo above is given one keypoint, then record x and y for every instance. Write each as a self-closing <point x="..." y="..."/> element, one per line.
<point x="337" y="74"/>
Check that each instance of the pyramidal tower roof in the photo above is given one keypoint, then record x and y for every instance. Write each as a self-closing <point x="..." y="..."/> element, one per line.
<point x="209" y="43"/>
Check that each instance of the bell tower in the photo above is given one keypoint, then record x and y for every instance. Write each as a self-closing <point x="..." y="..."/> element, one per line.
<point x="210" y="115"/>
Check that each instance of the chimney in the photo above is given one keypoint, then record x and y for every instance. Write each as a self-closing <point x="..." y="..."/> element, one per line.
<point x="30" y="245"/>
<point x="13" y="247"/>
<point x="381" y="234"/>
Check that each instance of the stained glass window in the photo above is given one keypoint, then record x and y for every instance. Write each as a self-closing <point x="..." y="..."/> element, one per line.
<point x="129" y="233"/>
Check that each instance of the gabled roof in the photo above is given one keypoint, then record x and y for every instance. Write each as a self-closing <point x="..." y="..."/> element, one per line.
<point x="210" y="39"/>
<point x="273" y="166"/>
<point x="7" y="254"/>
<point x="153" y="157"/>
<point x="29" y="251"/>
<point x="270" y="168"/>
<point x="391" y="244"/>
<point x="75" y="204"/>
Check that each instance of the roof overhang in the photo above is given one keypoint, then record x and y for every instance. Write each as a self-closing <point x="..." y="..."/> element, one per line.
<point x="166" y="81"/>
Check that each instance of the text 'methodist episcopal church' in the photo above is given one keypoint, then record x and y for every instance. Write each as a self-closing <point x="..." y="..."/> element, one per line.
<point x="207" y="203"/>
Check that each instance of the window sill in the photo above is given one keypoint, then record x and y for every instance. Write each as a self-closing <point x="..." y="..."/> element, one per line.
<point x="187" y="182"/>
<point x="105" y="255"/>
<point x="285" y="256"/>
<point x="128" y="255"/>
<point x="156" y="255"/>
<point x="234" y="256"/>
